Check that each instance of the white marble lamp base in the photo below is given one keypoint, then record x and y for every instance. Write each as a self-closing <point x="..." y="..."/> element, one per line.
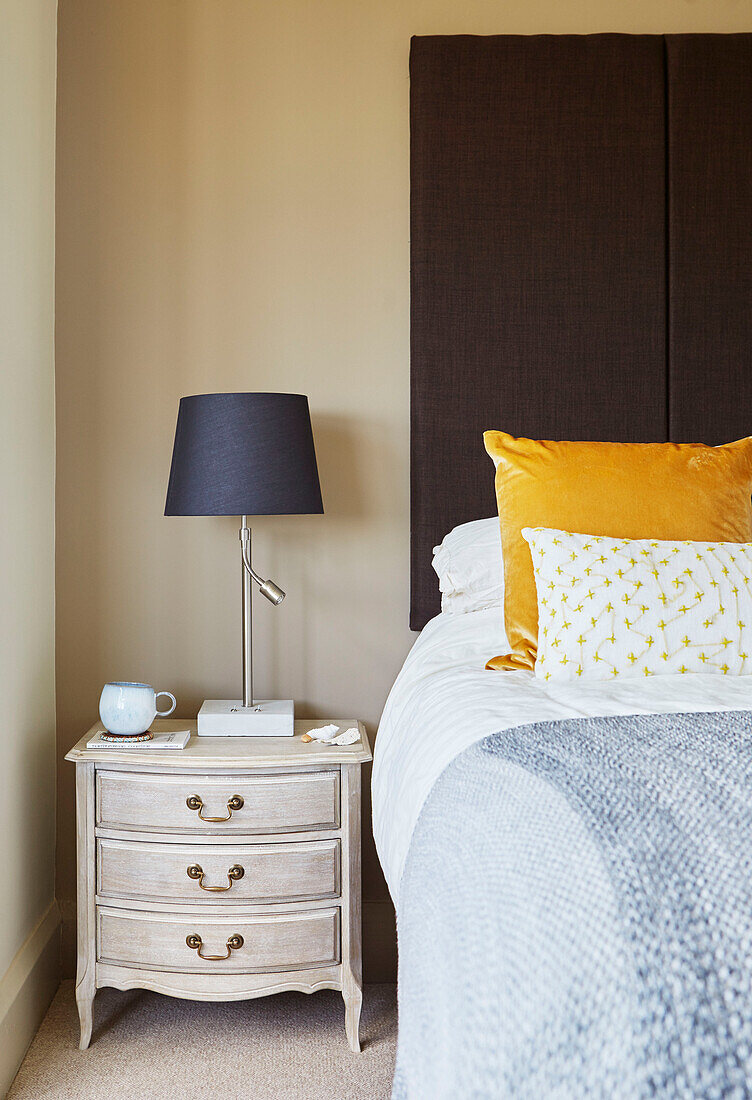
<point x="229" y="718"/>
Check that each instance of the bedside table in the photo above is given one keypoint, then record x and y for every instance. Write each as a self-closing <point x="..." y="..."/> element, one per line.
<point x="225" y="870"/>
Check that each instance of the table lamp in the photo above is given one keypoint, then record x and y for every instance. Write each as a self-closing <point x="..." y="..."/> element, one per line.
<point x="244" y="454"/>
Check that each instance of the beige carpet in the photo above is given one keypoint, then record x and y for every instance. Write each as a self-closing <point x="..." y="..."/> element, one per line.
<point x="287" y="1047"/>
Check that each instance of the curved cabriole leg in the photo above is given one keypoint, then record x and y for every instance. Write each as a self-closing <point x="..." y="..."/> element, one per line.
<point x="353" y="1003"/>
<point x="352" y="966"/>
<point x="86" y="893"/>
<point x="85" y="1002"/>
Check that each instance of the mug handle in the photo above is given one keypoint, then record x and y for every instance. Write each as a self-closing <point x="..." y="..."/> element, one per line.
<point x="164" y="713"/>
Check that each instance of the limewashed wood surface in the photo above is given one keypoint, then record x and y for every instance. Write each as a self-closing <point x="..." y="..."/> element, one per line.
<point x="291" y="920"/>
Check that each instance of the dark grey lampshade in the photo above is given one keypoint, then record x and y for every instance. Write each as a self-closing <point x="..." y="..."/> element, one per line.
<point x="243" y="454"/>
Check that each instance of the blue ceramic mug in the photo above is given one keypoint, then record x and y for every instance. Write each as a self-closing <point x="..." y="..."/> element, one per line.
<point x="129" y="709"/>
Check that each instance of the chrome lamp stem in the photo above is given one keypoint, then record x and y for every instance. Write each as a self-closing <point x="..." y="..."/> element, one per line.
<point x="245" y="544"/>
<point x="267" y="588"/>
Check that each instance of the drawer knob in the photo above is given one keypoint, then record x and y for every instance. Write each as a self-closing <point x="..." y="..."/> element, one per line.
<point x="234" y="943"/>
<point x="195" y="871"/>
<point x="194" y="802"/>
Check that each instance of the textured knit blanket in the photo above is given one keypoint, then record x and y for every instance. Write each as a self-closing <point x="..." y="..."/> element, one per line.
<point x="575" y="915"/>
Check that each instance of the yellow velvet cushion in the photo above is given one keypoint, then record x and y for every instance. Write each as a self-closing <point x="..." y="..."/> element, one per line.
<point x="622" y="490"/>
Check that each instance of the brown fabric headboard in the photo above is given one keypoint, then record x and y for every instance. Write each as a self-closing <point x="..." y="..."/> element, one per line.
<point x="581" y="253"/>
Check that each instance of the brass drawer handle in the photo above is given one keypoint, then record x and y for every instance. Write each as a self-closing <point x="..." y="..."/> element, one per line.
<point x="195" y="871"/>
<point x="195" y="803"/>
<point x="234" y="943"/>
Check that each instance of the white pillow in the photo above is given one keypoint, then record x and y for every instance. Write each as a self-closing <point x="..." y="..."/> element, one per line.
<point x="469" y="566"/>
<point x="612" y="608"/>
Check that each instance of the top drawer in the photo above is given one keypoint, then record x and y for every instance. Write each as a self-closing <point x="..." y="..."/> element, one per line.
<point x="281" y="803"/>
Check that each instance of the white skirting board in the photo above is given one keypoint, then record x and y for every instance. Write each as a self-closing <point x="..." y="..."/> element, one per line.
<point x="26" y="989"/>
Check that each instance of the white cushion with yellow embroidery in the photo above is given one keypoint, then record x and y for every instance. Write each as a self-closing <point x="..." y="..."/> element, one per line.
<point x="640" y="607"/>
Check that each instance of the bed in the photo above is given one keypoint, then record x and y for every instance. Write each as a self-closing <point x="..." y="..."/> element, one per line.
<point x="519" y="941"/>
<point x="563" y="930"/>
<point x="443" y="701"/>
<point x="581" y="247"/>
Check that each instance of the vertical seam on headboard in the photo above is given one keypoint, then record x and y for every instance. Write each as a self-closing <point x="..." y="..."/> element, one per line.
<point x="667" y="235"/>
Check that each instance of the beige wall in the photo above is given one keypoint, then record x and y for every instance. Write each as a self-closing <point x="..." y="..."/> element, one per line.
<point x="233" y="214"/>
<point x="27" y="486"/>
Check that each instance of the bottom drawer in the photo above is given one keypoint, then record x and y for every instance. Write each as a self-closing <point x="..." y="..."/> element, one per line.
<point x="280" y="941"/>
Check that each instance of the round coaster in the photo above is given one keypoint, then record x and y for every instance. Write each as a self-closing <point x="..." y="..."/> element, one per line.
<point x="126" y="739"/>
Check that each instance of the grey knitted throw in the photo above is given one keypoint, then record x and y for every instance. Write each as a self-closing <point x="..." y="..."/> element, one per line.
<point x="575" y="915"/>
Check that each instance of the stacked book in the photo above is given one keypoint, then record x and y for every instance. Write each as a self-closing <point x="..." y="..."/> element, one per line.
<point x="157" y="742"/>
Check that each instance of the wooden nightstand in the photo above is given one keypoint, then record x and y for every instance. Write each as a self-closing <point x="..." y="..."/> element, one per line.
<point x="226" y="870"/>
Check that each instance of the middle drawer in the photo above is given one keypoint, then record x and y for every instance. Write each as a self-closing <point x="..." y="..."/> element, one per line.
<point x="243" y="872"/>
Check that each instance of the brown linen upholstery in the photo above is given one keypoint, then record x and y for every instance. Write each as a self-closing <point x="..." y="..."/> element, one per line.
<point x="537" y="247"/>
<point x="709" y="80"/>
<point x="540" y="235"/>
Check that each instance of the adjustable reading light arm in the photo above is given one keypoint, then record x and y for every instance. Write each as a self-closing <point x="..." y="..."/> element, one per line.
<point x="269" y="589"/>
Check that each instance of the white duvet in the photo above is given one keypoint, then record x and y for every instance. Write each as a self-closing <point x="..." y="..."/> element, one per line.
<point x="443" y="700"/>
